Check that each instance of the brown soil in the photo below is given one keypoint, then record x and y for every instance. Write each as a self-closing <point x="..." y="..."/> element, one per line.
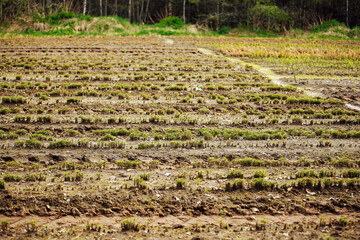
<point x="180" y="186"/>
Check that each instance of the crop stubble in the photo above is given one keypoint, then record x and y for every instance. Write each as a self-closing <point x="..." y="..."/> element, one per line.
<point x="110" y="128"/>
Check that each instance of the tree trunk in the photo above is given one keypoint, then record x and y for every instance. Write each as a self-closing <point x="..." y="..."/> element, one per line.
<point x="84" y="9"/>
<point x="130" y="8"/>
<point x="45" y="7"/>
<point x="170" y="8"/>
<point x="184" y="13"/>
<point x="106" y="8"/>
<point x="147" y="10"/>
<point x="116" y="7"/>
<point x="67" y="6"/>
<point x="137" y="13"/>
<point x="197" y="11"/>
<point x="347" y="13"/>
<point x="50" y="7"/>
<point x="101" y="8"/>
<point x="142" y="12"/>
<point x="218" y="15"/>
<point x="133" y="10"/>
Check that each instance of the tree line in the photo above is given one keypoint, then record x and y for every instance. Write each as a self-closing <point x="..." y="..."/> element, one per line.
<point x="275" y="15"/>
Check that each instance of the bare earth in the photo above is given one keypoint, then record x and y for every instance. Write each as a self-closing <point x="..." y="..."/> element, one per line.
<point x="147" y="138"/>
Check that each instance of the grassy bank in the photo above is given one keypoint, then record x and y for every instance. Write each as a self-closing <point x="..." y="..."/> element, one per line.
<point x="65" y="24"/>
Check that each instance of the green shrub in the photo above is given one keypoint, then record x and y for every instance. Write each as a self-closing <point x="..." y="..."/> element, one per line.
<point x="145" y="176"/>
<point x="352" y="182"/>
<point x="223" y="162"/>
<point x="130" y="225"/>
<point x="111" y="120"/>
<point x="13" y="165"/>
<point x="2" y="184"/>
<point x="32" y="143"/>
<point x="4" y="111"/>
<point x="85" y="120"/>
<point x="154" y="164"/>
<point x="343" y="162"/>
<point x="22" y="119"/>
<point x="13" y="100"/>
<point x="71" y="177"/>
<point x="140" y="183"/>
<point x="326" y="173"/>
<point x="108" y="137"/>
<point x="305" y="182"/>
<point x="45" y="119"/>
<point x="67" y="165"/>
<point x="116" y="144"/>
<point x="56" y="18"/>
<point x="12" y="135"/>
<point x="93" y="227"/>
<point x="324" y="27"/>
<point x="38" y="136"/>
<point x="79" y="175"/>
<point x="137" y="135"/>
<point x="174" y="22"/>
<point x="200" y="174"/>
<point x="60" y="144"/>
<point x="72" y="100"/>
<point x="194" y="144"/>
<point x="19" y="144"/>
<point x="260" y="14"/>
<point x="237" y="184"/>
<point x="144" y="145"/>
<point x="249" y="162"/>
<point x="343" y="221"/>
<point x="351" y="173"/>
<point x="235" y="174"/>
<point x="4" y="224"/>
<point x="354" y="33"/>
<point x="21" y="132"/>
<point x="31" y="226"/>
<point x="12" y="178"/>
<point x="327" y="182"/>
<point x="175" y="88"/>
<point x="306" y="173"/>
<point x="297" y="120"/>
<point x="224" y="30"/>
<point x="35" y="177"/>
<point x="261" y="225"/>
<point x="128" y="164"/>
<point x="180" y="183"/>
<point x="304" y="100"/>
<point x="259" y="174"/>
<point x="261" y="183"/>
<point x="15" y="110"/>
<point x="72" y="132"/>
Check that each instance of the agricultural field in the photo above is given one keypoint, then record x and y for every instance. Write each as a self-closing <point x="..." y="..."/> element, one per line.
<point x="184" y="137"/>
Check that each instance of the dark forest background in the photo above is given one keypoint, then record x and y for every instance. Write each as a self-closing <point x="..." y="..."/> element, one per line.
<point x="275" y="15"/>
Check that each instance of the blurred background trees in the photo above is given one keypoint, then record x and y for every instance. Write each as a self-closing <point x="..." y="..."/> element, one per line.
<point x="274" y="15"/>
